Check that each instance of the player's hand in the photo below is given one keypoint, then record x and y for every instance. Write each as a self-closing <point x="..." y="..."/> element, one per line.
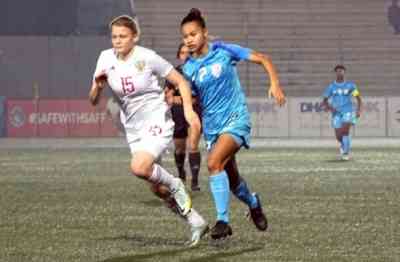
<point x="358" y="114"/>
<point x="97" y="86"/>
<point x="101" y="79"/>
<point x="277" y="92"/>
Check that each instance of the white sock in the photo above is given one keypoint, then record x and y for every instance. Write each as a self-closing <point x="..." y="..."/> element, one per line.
<point x="194" y="218"/>
<point x="162" y="177"/>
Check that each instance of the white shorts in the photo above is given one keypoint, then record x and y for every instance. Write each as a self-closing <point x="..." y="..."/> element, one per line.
<point x="154" y="134"/>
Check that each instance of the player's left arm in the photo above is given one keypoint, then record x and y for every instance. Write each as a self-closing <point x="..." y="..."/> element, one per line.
<point x="357" y="95"/>
<point x="275" y="89"/>
<point x="241" y="53"/>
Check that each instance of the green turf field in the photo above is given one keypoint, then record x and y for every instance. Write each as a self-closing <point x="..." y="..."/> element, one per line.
<point x="82" y="205"/>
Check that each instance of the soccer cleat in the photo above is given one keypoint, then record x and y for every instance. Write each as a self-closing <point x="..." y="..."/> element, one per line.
<point x="341" y="151"/>
<point x="182" y="198"/>
<point x="221" y="230"/>
<point x="195" y="187"/>
<point x="345" y="157"/>
<point x="197" y="233"/>
<point x="258" y="216"/>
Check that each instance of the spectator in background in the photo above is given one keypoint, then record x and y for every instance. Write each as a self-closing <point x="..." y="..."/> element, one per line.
<point x="394" y="16"/>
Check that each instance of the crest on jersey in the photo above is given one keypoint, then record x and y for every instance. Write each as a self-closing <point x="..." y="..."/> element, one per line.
<point x="140" y="65"/>
<point x="216" y="70"/>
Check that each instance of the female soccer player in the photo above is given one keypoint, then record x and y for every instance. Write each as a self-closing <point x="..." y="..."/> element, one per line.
<point x="181" y="128"/>
<point x="340" y="93"/>
<point x="130" y="70"/>
<point x="226" y="122"/>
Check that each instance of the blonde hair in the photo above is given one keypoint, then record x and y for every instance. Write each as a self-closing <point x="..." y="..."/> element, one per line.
<point x="129" y="22"/>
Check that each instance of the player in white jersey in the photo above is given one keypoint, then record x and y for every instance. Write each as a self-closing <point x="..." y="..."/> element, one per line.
<point x="131" y="71"/>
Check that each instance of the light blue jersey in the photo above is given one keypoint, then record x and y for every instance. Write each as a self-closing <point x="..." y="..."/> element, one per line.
<point x="215" y="82"/>
<point x="340" y="96"/>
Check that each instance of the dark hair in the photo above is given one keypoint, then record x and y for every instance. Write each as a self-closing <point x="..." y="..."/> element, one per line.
<point x="194" y="15"/>
<point x="181" y="45"/>
<point x="126" y="21"/>
<point x="339" y="67"/>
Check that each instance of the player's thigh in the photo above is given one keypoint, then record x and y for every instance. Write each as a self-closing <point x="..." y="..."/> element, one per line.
<point x="338" y="134"/>
<point x="146" y="151"/>
<point x="337" y="121"/>
<point x="347" y="119"/>
<point x="223" y="149"/>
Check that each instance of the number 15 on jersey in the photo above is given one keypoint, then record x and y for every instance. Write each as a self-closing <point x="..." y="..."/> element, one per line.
<point x="127" y="85"/>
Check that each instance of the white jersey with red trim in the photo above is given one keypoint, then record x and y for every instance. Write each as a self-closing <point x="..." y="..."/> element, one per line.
<point x="134" y="82"/>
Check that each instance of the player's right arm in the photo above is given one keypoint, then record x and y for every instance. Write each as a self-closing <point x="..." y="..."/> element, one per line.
<point x="327" y="106"/>
<point x="99" y="80"/>
<point x="325" y="101"/>
<point x="98" y="85"/>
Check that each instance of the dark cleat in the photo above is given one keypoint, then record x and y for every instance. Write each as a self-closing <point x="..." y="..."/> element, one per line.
<point x="221" y="230"/>
<point x="195" y="187"/>
<point x="258" y="216"/>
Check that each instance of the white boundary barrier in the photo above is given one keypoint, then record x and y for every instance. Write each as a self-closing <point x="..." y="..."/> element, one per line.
<point x="303" y="117"/>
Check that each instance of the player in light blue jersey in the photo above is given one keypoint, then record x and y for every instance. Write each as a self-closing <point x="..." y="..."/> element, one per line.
<point x="211" y="69"/>
<point x="337" y="98"/>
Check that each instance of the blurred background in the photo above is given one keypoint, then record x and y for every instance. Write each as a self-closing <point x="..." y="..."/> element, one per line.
<point x="48" y="51"/>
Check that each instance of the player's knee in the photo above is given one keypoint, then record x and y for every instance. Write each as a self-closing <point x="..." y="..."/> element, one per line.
<point x="180" y="150"/>
<point x="345" y="131"/>
<point x="140" y="169"/>
<point x="214" y="165"/>
<point x="180" y="146"/>
<point x="194" y="147"/>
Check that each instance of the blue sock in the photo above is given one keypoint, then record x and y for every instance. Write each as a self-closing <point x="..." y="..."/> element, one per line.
<point x="219" y="186"/>
<point x="346" y="144"/>
<point x="242" y="192"/>
<point x="341" y="145"/>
